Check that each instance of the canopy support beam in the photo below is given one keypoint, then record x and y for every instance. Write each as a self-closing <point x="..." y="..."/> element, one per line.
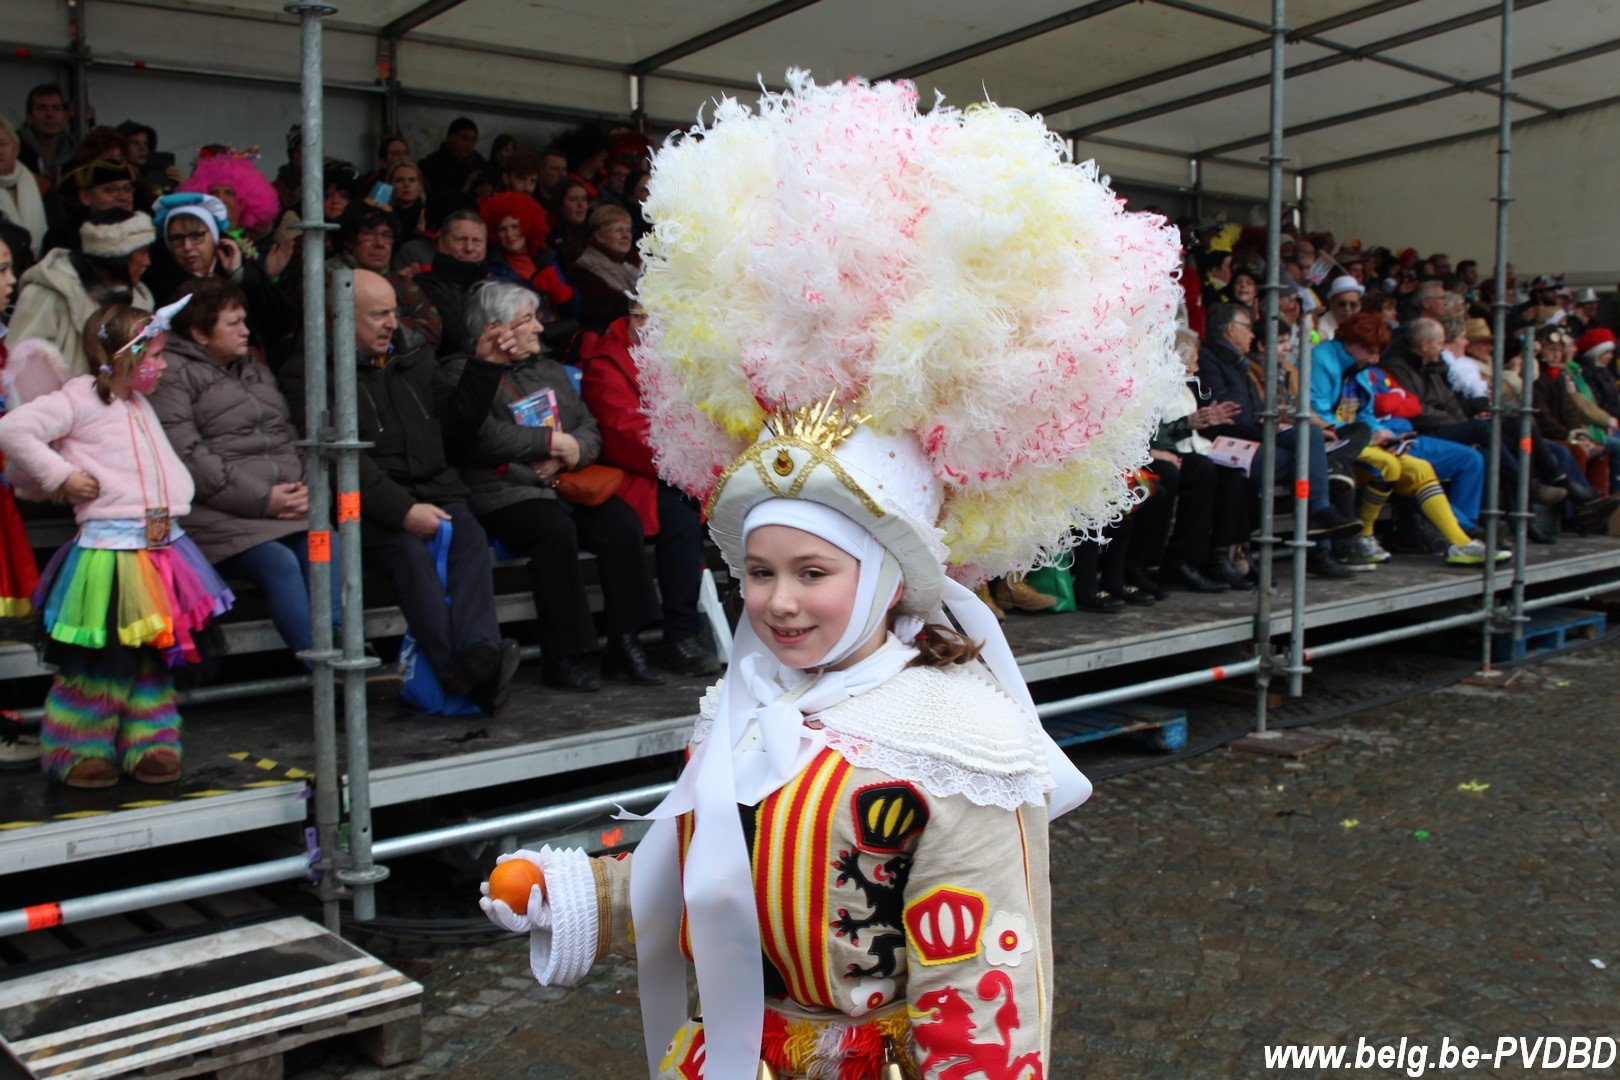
<point x="1461" y="136"/>
<point x="1354" y="53"/>
<point x="1435" y="95"/>
<point x="1204" y="63"/>
<point x="1011" y="37"/>
<point x="752" y="21"/>
<point x="425" y="12"/>
<point x="1309" y="68"/>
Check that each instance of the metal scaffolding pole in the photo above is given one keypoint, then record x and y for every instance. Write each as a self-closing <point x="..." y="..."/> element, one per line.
<point x="1521" y="498"/>
<point x="1300" y="542"/>
<point x="321" y="654"/>
<point x="1268" y="420"/>
<point x="358" y="871"/>
<point x="1499" y="309"/>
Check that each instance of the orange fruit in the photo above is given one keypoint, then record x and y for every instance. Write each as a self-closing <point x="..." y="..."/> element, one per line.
<point x="512" y="882"/>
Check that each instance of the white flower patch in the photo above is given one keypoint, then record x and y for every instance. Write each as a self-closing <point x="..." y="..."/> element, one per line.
<point x="869" y="994"/>
<point x="1007" y="939"/>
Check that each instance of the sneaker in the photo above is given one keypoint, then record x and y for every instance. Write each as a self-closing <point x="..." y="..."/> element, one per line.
<point x="1472" y="554"/>
<point x="1364" y="551"/>
<point x="19" y="749"/>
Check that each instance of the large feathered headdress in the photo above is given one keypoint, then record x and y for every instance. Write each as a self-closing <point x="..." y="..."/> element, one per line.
<point x="949" y="275"/>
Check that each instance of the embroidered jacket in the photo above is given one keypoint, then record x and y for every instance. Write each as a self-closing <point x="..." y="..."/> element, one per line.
<point x="902" y="886"/>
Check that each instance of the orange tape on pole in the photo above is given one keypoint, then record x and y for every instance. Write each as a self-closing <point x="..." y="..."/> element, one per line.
<point x="1219" y="673"/>
<point x="348" y="506"/>
<point x="43" y="916"/>
<point x="1525" y="445"/>
<point x="1302" y="489"/>
<point x="320" y="546"/>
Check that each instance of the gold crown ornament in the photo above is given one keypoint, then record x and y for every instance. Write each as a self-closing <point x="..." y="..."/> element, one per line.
<point x="826" y="453"/>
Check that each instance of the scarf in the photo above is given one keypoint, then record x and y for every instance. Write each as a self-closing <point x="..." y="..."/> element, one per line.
<point x="621" y="275"/>
<point x="21" y="203"/>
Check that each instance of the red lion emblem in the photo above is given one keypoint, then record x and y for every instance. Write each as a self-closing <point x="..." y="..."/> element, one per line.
<point x="947" y="1039"/>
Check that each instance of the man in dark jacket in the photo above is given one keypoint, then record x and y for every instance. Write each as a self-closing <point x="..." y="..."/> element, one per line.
<point x="408" y="488"/>
<point x="457" y="162"/>
<point x="1224" y="371"/>
<point x="458" y="266"/>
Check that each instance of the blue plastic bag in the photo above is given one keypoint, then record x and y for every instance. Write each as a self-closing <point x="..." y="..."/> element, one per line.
<point x="422" y="690"/>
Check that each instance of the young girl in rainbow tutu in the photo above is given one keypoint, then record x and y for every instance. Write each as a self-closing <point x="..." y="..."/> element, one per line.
<point x="124" y="600"/>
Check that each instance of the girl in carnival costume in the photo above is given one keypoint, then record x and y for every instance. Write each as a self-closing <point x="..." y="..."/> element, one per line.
<point x="123" y="600"/>
<point x="897" y="354"/>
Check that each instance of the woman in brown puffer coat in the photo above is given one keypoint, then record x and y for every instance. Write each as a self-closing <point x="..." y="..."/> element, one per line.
<point x="231" y="426"/>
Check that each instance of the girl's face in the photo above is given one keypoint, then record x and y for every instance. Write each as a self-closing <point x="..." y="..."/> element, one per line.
<point x="1243" y="289"/>
<point x="798" y="591"/>
<point x="576" y="205"/>
<point x="510" y="234"/>
<point x="407" y="185"/>
<point x="337" y="201"/>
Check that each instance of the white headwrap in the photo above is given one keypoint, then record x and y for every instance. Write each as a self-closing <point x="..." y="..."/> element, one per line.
<point x="759" y="742"/>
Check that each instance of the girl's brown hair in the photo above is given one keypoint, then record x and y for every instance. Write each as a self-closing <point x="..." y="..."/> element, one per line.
<point x="108" y="328"/>
<point x="944" y="646"/>
<point x="1365" y="329"/>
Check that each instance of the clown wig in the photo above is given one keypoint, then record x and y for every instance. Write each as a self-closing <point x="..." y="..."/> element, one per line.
<point x="531" y="217"/>
<point x="258" y="202"/>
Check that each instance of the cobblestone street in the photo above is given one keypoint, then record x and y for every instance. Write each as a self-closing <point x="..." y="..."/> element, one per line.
<point x="1450" y="868"/>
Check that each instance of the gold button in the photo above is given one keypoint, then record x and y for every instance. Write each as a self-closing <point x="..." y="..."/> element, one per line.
<point x="784" y="464"/>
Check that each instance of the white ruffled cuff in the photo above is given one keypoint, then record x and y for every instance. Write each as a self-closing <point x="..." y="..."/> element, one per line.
<point x="562" y="945"/>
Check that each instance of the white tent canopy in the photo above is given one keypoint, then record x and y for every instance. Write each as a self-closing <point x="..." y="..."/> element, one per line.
<point x="1147" y="87"/>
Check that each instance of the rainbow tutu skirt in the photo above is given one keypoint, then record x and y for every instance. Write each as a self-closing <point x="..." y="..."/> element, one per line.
<point x="151" y="597"/>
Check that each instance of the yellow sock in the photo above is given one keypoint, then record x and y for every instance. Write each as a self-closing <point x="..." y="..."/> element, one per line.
<point x="1370" y="505"/>
<point x="1437" y="508"/>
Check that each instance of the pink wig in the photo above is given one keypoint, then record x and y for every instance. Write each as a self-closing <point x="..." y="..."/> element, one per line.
<point x="258" y="201"/>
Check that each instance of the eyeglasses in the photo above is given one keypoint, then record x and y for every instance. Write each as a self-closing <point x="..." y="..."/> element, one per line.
<point x="187" y="239"/>
<point x="376" y="234"/>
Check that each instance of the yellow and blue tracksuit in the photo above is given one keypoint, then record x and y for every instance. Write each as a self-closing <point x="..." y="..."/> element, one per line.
<point x="1343" y="393"/>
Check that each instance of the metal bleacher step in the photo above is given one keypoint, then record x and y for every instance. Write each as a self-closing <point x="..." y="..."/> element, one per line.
<point x="227" y="1002"/>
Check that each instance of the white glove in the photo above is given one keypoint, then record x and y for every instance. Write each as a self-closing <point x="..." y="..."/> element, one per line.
<point x="500" y="912"/>
<point x="563" y="926"/>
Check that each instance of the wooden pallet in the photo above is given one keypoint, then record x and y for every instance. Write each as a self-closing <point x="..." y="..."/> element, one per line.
<point x="1165" y="728"/>
<point x="229" y="1003"/>
<point x="1548" y="631"/>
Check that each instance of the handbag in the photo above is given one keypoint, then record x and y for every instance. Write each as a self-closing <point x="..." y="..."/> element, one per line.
<point x="422" y="690"/>
<point x="1055" y="581"/>
<point x="592" y="485"/>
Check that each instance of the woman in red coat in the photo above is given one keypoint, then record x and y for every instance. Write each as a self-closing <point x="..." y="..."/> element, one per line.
<point x="612" y="392"/>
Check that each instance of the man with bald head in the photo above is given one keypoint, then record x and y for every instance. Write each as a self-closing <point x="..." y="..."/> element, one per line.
<point x="408" y="488"/>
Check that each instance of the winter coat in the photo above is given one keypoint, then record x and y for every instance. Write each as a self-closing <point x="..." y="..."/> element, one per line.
<point x="1225" y="376"/>
<point x="234" y="431"/>
<point x="495" y="463"/>
<point x="1605" y="388"/>
<point x="1439" y="404"/>
<point x="121" y="444"/>
<point x="443" y="171"/>
<point x="407" y="427"/>
<point x="601" y="302"/>
<point x="612" y="391"/>
<point x="448" y="286"/>
<point x="1553" y="395"/>
<point x="54" y="304"/>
